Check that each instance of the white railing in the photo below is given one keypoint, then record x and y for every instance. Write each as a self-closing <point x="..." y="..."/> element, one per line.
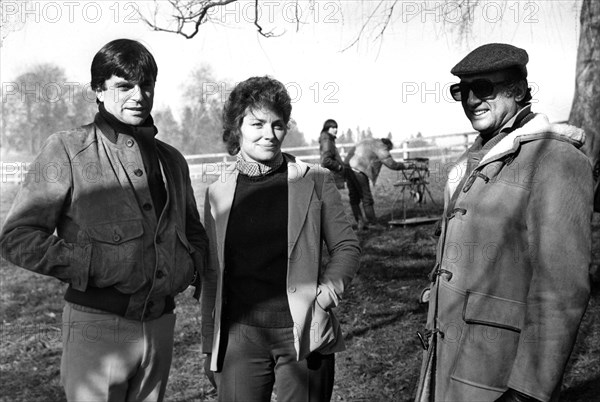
<point x="210" y="164"/>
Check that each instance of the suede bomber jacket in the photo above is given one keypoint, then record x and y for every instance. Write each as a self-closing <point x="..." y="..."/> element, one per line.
<point x="85" y="215"/>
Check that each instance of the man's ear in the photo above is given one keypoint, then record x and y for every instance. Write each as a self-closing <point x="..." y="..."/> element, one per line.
<point x="521" y="91"/>
<point x="100" y="95"/>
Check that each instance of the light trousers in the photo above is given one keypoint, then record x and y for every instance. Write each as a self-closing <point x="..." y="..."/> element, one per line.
<point x="109" y="358"/>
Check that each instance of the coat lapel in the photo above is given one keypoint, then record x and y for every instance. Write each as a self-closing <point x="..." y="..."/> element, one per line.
<point x="300" y="189"/>
<point x="221" y="199"/>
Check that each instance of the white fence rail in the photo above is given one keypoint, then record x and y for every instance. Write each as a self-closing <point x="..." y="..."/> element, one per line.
<point x="210" y="164"/>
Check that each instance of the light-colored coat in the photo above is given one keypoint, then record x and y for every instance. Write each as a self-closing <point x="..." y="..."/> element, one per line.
<point x="515" y="249"/>
<point x="316" y="214"/>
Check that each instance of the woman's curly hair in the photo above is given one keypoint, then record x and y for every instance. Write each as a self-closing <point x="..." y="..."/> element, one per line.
<point x="253" y="94"/>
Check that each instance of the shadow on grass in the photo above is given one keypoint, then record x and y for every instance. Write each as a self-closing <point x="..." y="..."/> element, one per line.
<point x="384" y="270"/>
<point x="31" y="386"/>
<point x="393" y="318"/>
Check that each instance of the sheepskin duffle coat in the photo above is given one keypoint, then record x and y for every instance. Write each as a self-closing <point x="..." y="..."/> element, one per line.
<point x="315" y="215"/>
<point x="511" y="280"/>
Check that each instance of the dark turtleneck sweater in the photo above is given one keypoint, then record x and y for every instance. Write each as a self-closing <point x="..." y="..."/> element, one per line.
<point x="256" y="252"/>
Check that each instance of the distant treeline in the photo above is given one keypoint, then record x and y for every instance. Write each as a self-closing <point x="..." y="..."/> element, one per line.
<point x="43" y="101"/>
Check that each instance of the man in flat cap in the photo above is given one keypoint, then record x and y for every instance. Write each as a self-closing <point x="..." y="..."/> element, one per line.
<point x="511" y="283"/>
<point x="118" y="223"/>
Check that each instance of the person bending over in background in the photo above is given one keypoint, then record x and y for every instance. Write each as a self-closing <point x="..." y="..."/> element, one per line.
<point x="267" y="300"/>
<point x="365" y="160"/>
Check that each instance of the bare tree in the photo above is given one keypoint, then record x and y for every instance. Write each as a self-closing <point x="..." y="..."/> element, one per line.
<point x="585" y="112"/>
<point x="186" y="16"/>
<point x="189" y="15"/>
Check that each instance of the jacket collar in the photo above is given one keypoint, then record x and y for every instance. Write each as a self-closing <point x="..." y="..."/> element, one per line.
<point x="111" y="127"/>
<point x="537" y="128"/>
<point x="297" y="169"/>
<point x="299" y="193"/>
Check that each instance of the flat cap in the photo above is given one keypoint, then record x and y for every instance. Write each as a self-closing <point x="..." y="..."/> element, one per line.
<point x="492" y="57"/>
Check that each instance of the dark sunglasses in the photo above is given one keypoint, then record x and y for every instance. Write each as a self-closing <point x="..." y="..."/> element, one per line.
<point x="481" y="88"/>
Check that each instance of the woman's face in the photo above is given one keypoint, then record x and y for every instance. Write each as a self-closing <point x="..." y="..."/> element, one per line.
<point x="333" y="130"/>
<point x="262" y="133"/>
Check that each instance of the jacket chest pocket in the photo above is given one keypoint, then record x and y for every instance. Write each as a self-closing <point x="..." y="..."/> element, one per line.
<point x="117" y="255"/>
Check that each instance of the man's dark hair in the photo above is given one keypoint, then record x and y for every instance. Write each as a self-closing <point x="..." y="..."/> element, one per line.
<point x="388" y="143"/>
<point x="329" y="123"/>
<point x="253" y="94"/>
<point x="515" y="79"/>
<point x="124" y="58"/>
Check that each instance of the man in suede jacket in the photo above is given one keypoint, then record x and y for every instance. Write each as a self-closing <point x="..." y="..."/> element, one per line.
<point x="109" y="210"/>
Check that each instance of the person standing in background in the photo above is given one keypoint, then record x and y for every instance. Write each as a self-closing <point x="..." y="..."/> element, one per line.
<point x="331" y="159"/>
<point x="330" y="156"/>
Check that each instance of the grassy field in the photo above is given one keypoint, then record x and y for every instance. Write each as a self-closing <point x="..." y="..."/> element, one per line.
<point x="379" y="315"/>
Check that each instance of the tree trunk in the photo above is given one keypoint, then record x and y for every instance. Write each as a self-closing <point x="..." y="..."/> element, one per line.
<point x="585" y="112"/>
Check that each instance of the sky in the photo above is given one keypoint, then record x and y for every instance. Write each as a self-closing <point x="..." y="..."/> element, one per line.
<point x="397" y="83"/>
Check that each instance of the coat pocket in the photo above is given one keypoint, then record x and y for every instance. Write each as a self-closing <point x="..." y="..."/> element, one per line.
<point x="323" y="329"/>
<point x="117" y="255"/>
<point x="489" y="344"/>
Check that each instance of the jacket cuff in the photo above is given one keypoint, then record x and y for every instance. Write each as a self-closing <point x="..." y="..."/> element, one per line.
<point x="207" y="343"/>
<point x="81" y="266"/>
<point x="326" y="298"/>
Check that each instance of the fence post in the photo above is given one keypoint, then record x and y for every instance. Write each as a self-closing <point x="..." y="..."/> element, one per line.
<point x="466" y="141"/>
<point x="405" y="150"/>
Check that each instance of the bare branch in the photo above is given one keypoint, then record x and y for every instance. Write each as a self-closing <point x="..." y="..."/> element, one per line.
<point x="364" y="26"/>
<point x="196" y="13"/>
<point x="187" y="14"/>
<point x="387" y="20"/>
<point x="257" y="25"/>
<point x="297" y="17"/>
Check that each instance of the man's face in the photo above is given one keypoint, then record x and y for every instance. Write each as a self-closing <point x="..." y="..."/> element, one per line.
<point x="489" y="114"/>
<point x="129" y="102"/>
